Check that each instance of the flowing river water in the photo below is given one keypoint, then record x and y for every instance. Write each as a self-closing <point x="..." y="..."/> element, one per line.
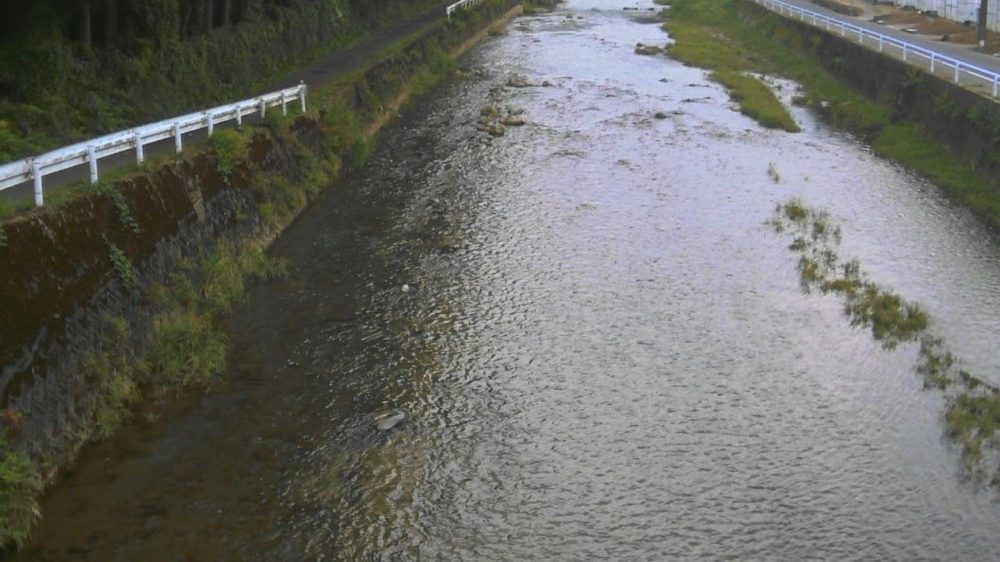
<point x="581" y="342"/>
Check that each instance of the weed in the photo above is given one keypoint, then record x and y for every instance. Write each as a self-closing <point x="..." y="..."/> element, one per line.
<point x="772" y="172"/>
<point x="125" y="215"/>
<point x="231" y="150"/>
<point x="187" y="350"/>
<point x="20" y="484"/>
<point x="936" y="363"/>
<point x="123" y="267"/>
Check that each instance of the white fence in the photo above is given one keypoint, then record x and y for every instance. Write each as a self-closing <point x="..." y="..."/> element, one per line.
<point x="909" y="51"/>
<point x="460" y="4"/>
<point x="93" y="150"/>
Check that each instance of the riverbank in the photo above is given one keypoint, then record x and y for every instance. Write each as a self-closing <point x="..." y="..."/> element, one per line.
<point x="939" y="130"/>
<point x="118" y="296"/>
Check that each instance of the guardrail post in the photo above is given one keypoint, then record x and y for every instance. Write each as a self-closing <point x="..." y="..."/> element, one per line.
<point x="880" y="43"/>
<point x="92" y="159"/>
<point x="904" y="52"/>
<point x="177" y="138"/>
<point x="138" y="148"/>
<point x="209" y="123"/>
<point x="263" y="108"/>
<point x="303" y="89"/>
<point x="996" y="85"/>
<point x="843" y="29"/>
<point x="932" y="62"/>
<point x="239" y="116"/>
<point x="957" y="65"/>
<point x="861" y="36"/>
<point x="36" y="174"/>
<point x="284" y="103"/>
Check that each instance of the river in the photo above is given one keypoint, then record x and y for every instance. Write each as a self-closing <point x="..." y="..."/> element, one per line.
<point x="582" y="342"/>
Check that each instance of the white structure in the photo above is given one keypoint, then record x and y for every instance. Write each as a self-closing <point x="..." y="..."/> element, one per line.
<point x="958" y="10"/>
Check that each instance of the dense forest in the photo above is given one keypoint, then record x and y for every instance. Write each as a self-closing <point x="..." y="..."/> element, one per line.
<point x="74" y="68"/>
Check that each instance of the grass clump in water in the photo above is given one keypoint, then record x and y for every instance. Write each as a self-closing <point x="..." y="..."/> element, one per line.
<point x="188" y="346"/>
<point x="972" y="417"/>
<point x="700" y="40"/>
<point x="892" y="319"/>
<point x="756" y="100"/>
<point x="973" y="420"/>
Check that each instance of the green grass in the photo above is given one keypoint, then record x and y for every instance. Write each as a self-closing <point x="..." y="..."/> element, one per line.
<point x="698" y="41"/>
<point x="905" y="143"/>
<point x="892" y="319"/>
<point x="20" y="484"/>
<point x="230" y="147"/>
<point x="756" y="100"/>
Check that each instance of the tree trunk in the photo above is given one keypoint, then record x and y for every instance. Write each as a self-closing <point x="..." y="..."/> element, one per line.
<point x="209" y="9"/>
<point x="110" y="22"/>
<point x="85" y="34"/>
<point x="227" y="13"/>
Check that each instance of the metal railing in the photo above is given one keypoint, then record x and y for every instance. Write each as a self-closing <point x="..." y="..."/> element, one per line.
<point x="91" y="151"/>
<point x="909" y="51"/>
<point x="460" y="4"/>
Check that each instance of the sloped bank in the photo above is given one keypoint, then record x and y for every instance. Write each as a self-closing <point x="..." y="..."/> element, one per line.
<point x="113" y="300"/>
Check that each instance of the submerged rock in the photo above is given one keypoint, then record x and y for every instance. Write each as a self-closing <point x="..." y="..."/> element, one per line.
<point x="518" y="81"/>
<point x="513" y="122"/>
<point x="388" y="419"/>
<point x="660" y="115"/>
<point x="641" y="49"/>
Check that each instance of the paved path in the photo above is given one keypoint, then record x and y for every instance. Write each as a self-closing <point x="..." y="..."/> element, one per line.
<point x="962" y="53"/>
<point x="336" y="63"/>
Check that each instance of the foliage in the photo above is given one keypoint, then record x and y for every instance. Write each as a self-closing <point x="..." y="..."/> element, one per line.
<point x="230" y="147"/>
<point x="20" y="483"/>
<point x="125" y="215"/>
<point x="107" y="372"/>
<point x="187" y="350"/>
<point x="123" y="267"/>
<point x="159" y="59"/>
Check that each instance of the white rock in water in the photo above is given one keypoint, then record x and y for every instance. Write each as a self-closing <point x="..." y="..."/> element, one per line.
<point x="406" y="288"/>
<point x="390" y="419"/>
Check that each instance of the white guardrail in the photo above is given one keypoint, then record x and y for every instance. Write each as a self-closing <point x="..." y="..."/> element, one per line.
<point x="460" y="4"/>
<point x="987" y="78"/>
<point x="93" y="150"/>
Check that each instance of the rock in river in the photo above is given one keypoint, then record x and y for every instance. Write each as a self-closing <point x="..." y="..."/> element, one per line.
<point x="388" y="419"/>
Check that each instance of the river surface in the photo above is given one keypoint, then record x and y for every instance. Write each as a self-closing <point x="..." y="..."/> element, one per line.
<point x="585" y="340"/>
